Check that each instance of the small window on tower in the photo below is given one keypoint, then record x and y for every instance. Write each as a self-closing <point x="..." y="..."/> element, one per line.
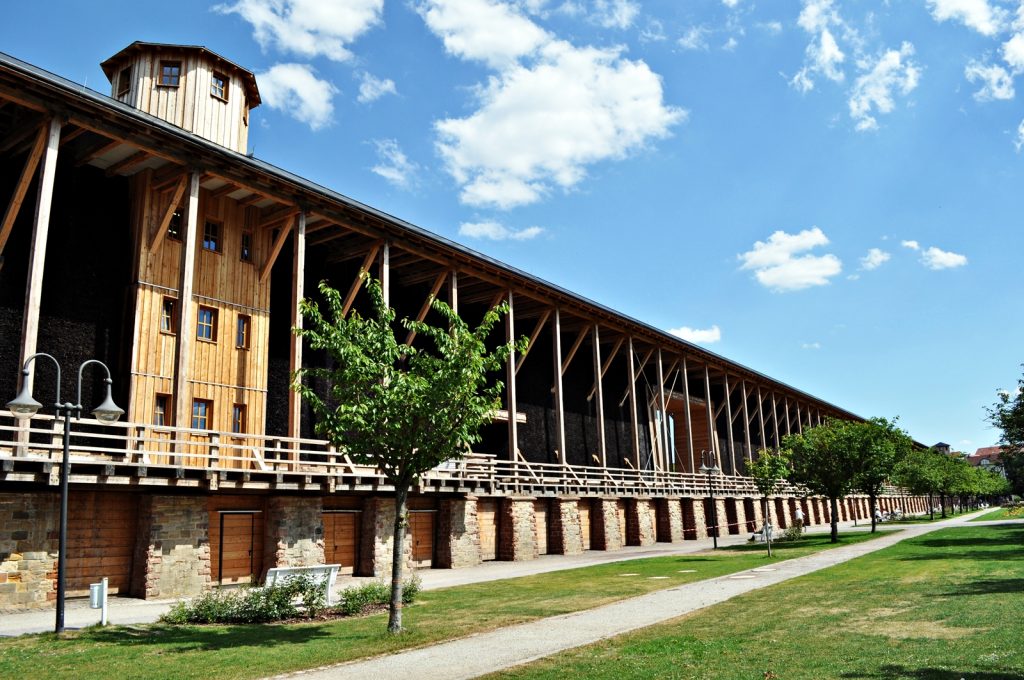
<point x="170" y="73"/>
<point x="202" y="414"/>
<point x="124" y="82"/>
<point x="169" y="315"/>
<point x="211" y="236"/>
<point x="238" y="418"/>
<point x="242" y="330"/>
<point x="245" y="255"/>
<point x="162" y="410"/>
<point x="174" y="226"/>
<point x="206" y="324"/>
<point x="219" y="86"/>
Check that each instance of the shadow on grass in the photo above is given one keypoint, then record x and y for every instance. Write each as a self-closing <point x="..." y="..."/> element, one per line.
<point x="209" y="638"/>
<point x="895" y="671"/>
<point x="992" y="586"/>
<point x="975" y="547"/>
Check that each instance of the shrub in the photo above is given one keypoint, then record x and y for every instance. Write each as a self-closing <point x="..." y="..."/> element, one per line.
<point x="297" y="596"/>
<point x="356" y="599"/>
<point x="792" y="533"/>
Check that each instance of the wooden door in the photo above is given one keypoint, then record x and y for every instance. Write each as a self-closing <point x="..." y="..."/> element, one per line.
<point x="620" y="510"/>
<point x="487" y="525"/>
<point x="421" y="525"/>
<point x="237" y="540"/>
<point x="540" y="516"/>
<point x="101" y="540"/>
<point x="584" y="510"/>
<point x="341" y="539"/>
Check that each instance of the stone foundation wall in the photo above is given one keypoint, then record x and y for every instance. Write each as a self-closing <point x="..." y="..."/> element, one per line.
<point x="517" y="530"/>
<point x="640" y="522"/>
<point x="376" y="542"/>
<point x="756" y="514"/>
<point x="294" y="529"/>
<point x="458" y="534"/>
<point x="700" y="522"/>
<point x="604" y="519"/>
<point x="565" y="528"/>
<point x="172" y="550"/>
<point x="670" y="520"/>
<point x="28" y="550"/>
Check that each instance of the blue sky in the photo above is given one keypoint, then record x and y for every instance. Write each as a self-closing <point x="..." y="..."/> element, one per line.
<point x="827" y="191"/>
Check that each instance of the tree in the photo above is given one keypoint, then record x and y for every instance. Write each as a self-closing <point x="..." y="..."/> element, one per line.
<point x="768" y="471"/>
<point x="824" y="459"/>
<point x="402" y="409"/>
<point x="954" y="478"/>
<point x="920" y="473"/>
<point x="1008" y="415"/>
<point x="880" y="446"/>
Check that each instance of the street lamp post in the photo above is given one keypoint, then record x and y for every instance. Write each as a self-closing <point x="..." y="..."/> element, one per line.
<point x="710" y="471"/>
<point x="24" y="407"/>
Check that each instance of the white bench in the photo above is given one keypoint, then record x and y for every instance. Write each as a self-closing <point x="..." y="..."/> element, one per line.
<point x="320" y="573"/>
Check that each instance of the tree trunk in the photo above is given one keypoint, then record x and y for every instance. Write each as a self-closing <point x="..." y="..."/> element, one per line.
<point x="397" y="560"/>
<point x="942" y="500"/>
<point x="764" y="526"/>
<point x="872" y="502"/>
<point x="834" y="506"/>
<point x="931" y="506"/>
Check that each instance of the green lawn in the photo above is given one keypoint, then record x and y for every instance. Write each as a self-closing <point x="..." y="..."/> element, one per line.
<point x="947" y="605"/>
<point x="254" y="651"/>
<point x="1001" y="513"/>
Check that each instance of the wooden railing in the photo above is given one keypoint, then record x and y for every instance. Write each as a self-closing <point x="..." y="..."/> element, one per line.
<point x="240" y="460"/>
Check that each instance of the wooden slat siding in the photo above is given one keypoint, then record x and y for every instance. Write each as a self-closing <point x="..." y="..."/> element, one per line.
<point x="620" y="510"/>
<point x="421" y="525"/>
<point x="234" y="538"/>
<point x="584" y="510"/>
<point x="341" y="539"/>
<point x="540" y="515"/>
<point x="101" y="540"/>
<point x="487" y="521"/>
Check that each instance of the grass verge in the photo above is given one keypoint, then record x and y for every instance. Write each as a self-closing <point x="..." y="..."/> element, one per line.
<point x="247" y="651"/>
<point x="946" y="605"/>
<point x="1001" y="513"/>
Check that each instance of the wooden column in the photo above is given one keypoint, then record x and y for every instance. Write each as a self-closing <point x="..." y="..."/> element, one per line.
<point x="510" y="387"/>
<point x="599" y="391"/>
<point x="37" y="251"/>
<point x="298" y="292"/>
<point x="384" y="271"/>
<point x="799" y="419"/>
<point x="711" y="417"/>
<point x="760" y="416"/>
<point x="663" y="430"/>
<point x="746" y="421"/>
<point x="632" y="404"/>
<point x="775" y="421"/>
<point x="556" y="330"/>
<point x="785" y="402"/>
<point x="728" y="409"/>
<point x="689" y="419"/>
<point x="186" y="336"/>
<point x="453" y="291"/>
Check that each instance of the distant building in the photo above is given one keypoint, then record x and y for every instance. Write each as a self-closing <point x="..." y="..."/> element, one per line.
<point x="988" y="457"/>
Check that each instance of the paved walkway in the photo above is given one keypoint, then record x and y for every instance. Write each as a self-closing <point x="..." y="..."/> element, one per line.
<point x="527" y="642"/>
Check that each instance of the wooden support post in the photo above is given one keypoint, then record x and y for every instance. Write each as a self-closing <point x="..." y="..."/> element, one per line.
<point x="630" y="359"/>
<point x="186" y="331"/>
<point x="533" y="338"/>
<point x="785" y="401"/>
<point x="28" y="171"/>
<point x="799" y="419"/>
<point x="425" y="307"/>
<point x="689" y="419"/>
<point x="760" y="416"/>
<point x="732" y="442"/>
<point x="598" y="373"/>
<point x="510" y="387"/>
<point x="606" y="365"/>
<point x="663" y="430"/>
<point x="157" y="237"/>
<point x="353" y="290"/>
<point x="384" y="273"/>
<point x="275" y="250"/>
<point x="37" y="252"/>
<point x="746" y="421"/>
<point x="775" y="421"/>
<point x="711" y="420"/>
<point x="453" y="291"/>
<point x="298" y="292"/>
<point x="580" y="337"/>
<point x="556" y="331"/>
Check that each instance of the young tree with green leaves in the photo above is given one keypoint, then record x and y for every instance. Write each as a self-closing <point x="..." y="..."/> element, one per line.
<point x="400" y="408"/>
<point x="1008" y="415"/>
<point x="825" y="460"/>
<point x="768" y="471"/>
<point x="920" y="473"/>
<point x="880" y="447"/>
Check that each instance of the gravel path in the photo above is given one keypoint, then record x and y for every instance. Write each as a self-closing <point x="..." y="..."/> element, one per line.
<point x="484" y="653"/>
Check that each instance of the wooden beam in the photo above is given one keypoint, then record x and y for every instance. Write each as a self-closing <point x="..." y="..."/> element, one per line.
<point x="631" y="373"/>
<point x="99" y="149"/>
<point x="732" y="443"/>
<point x="37" y="252"/>
<point x="760" y="416"/>
<point x="746" y="421"/>
<point x="186" y="332"/>
<point x="275" y="250"/>
<point x="278" y="216"/>
<point x="453" y="291"/>
<point x="689" y="419"/>
<point x="775" y="421"/>
<point x="222" y="191"/>
<point x="556" y="331"/>
<point x="580" y="337"/>
<point x="295" y="354"/>
<point x="157" y="237"/>
<point x="384" y="272"/>
<point x="663" y="432"/>
<point x="425" y="307"/>
<point x="74" y="134"/>
<point x="711" y="422"/>
<point x="126" y="163"/>
<point x="167" y="176"/>
<point x="510" y="387"/>
<point x="251" y="199"/>
<point x="607" y="364"/>
<point x="598" y="373"/>
<point x="353" y="290"/>
<point x="21" y="188"/>
<point x="533" y="338"/>
<point x="28" y="130"/>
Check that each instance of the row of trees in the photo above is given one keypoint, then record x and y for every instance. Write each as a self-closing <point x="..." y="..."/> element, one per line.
<point x="1008" y="415"/>
<point x="840" y="457"/>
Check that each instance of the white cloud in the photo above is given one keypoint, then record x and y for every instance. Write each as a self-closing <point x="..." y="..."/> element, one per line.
<point x="977" y="14"/>
<point x="393" y="164"/>
<point x="996" y="83"/>
<point x="823" y="55"/>
<point x="295" y="90"/>
<point x="811" y="345"/>
<point x="497" y="232"/>
<point x="1013" y="51"/>
<point x="695" y="38"/>
<point x="372" y="88"/>
<point x="702" y="335"/>
<point x="779" y="265"/>
<point x="1019" y="141"/>
<point x="654" y="31"/>
<point x="307" y="27"/>
<point x="913" y="245"/>
<point x="542" y="125"/>
<point x="730" y="44"/>
<point x="873" y="92"/>
<point x="874" y="259"/>
<point x="934" y="258"/>
<point x="730" y="3"/>
<point x="482" y="30"/>
<point x="615" y="13"/>
<point x="772" y="27"/>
